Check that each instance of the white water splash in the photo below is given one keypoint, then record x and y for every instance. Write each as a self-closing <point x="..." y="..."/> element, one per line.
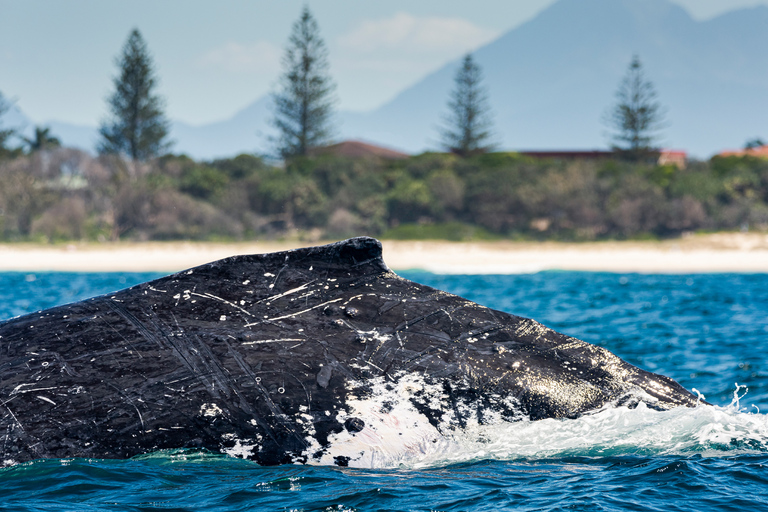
<point x="403" y="438"/>
<point x="705" y="430"/>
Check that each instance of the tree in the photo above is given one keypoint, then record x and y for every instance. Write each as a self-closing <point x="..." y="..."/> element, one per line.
<point x="637" y="115"/>
<point x="42" y="140"/>
<point x="5" y="134"/>
<point x="468" y="121"/>
<point x="137" y="125"/>
<point x="304" y="107"/>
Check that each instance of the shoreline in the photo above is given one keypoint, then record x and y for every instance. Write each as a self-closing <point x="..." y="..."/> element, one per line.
<point x="706" y="253"/>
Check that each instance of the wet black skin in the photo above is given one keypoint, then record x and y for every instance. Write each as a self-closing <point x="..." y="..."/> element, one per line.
<point x="199" y="358"/>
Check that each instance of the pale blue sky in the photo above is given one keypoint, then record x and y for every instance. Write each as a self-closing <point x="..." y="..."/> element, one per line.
<point x="214" y="58"/>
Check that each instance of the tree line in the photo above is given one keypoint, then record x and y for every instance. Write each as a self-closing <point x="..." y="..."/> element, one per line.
<point x="66" y="194"/>
<point x="303" y="107"/>
<point x="135" y="189"/>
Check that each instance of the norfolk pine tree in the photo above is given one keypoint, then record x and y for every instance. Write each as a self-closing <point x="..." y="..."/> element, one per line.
<point x="7" y="133"/>
<point x="468" y="122"/>
<point x="637" y="115"/>
<point x="137" y="126"/>
<point x="304" y="106"/>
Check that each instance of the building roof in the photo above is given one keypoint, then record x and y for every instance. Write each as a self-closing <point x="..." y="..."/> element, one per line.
<point x="359" y="149"/>
<point x="760" y="152"/>
<point x="674" y="152"/>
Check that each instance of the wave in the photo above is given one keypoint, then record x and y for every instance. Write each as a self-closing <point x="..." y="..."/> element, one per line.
<point x="705" y="430"/>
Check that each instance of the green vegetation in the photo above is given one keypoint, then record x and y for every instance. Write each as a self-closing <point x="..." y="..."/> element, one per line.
<point x="468" y="123"/>
<point x="7" y="132"/>
<point x="637" y="116"/>
<point x="63" y="194"/>
<point x="304" y="106"/>
<point x="137" y="126"/>
<point x="41" y="140"/>
<point x="133" y="190"/>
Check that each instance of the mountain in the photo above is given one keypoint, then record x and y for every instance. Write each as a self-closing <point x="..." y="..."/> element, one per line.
<point x="551" y="81"/>
<point x="14" y="119"/>
<point x="247" y="131"/>
<point x="76" y="136"/>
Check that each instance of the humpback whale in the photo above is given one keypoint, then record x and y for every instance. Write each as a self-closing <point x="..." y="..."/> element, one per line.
<point x="319" y="355"/>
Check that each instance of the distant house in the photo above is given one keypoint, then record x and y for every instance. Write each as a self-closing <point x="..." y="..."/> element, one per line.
<point x="674" y="157"/>
<point x="759" y="152"/>
<point x="359" y="149"/>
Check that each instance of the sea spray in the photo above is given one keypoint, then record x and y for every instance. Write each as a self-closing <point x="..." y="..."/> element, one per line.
<point x="705" y="430"/>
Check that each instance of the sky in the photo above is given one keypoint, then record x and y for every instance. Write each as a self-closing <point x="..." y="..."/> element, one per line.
<point x="57" y="58"/>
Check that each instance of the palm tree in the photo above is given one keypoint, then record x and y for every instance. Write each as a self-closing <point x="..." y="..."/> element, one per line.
<point x="42" y="140"/>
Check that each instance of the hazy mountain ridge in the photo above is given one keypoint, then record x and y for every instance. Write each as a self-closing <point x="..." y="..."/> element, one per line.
<point x="550" y="81"/>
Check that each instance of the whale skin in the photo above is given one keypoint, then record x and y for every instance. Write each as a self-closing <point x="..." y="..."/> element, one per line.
<point x="319" y="355"/>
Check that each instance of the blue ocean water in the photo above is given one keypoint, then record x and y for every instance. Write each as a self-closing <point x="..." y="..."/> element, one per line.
<point x="709" y="332"/>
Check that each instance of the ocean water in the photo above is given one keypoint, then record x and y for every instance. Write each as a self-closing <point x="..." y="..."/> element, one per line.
<point x="709" y="332"/>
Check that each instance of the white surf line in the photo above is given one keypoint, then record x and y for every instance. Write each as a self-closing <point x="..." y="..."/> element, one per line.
<point x="276" y="340"/>
<point x="295" y="314"/>
<point x="225" y="301"/>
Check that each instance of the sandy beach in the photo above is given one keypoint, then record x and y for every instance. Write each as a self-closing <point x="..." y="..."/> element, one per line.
<point x="719" y="252"/>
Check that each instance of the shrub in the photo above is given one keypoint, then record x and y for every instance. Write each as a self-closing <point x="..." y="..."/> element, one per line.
<point x="64" y="220"/>
<point x="447" y="191"/>
<point x="203" y="182"/>
<point x="240" y="167"/>
<point x="174" y="216"/>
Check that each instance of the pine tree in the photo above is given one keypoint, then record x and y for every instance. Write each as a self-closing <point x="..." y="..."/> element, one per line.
<point x="5" y="134"/>
<point x="468" y="122"/>
<point x="304" y="106"/>
<point x="137" y="126"/>
<point x="637" y="116"/>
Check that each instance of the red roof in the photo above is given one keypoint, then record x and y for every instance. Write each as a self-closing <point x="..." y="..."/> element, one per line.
<point x="760" y="152"/>
<point x="359" y="149"/>
<point x="674" y="152"/>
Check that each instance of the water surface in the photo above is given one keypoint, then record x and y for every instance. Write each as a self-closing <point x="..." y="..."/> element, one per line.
<point x="709" y="332"/>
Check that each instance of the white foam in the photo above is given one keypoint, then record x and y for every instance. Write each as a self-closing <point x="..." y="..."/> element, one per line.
<point x="706" y="430"/>
<point x="242" y="448"/>
<point x="396" y="434"/>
